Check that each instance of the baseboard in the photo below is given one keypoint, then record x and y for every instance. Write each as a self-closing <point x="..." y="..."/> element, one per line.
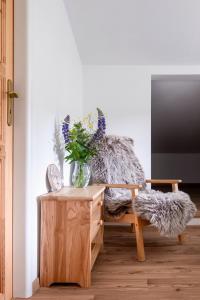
<point x="35" y="288"/>
<point x="35" y="285"/>
<point x="20" y="298"/>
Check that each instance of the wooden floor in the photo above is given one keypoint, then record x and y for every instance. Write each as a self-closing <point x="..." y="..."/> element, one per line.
<point x="171" y="271"/>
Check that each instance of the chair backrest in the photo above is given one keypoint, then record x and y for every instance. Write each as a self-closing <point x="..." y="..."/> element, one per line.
<point x="116" y="162"/>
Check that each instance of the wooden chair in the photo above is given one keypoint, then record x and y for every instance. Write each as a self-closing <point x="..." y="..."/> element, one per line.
<point x="136" y="221"/>
<point x="116" y="163"/>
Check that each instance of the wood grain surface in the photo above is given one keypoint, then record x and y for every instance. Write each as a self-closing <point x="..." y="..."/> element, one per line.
<point x="70" y="193"/>
<point x="68" y="229"/>
<point x="170" y="272"/>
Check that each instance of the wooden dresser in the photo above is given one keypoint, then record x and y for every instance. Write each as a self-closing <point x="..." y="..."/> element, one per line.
<point x="71" y="234"/>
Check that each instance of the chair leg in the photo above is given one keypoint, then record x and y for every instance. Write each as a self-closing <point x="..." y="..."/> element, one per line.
<point x="132" y="227"/>
<point x="139" y="239"/>
<point x="180" y="239"/>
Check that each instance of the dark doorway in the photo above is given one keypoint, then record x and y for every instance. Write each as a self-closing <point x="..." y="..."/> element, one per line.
<point x="175" y="125"/>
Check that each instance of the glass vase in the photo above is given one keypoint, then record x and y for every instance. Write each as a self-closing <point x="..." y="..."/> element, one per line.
<point x="81" y="175"/>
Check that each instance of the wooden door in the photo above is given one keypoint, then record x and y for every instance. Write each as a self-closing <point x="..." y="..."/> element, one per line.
<point x="6" y="150"/>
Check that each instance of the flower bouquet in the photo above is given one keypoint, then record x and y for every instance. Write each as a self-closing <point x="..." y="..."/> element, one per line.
<point x="81" y="144"/>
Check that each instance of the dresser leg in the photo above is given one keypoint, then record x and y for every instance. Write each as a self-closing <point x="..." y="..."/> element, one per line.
<point x="86" y="282"/>
<point x="44" y="283"/>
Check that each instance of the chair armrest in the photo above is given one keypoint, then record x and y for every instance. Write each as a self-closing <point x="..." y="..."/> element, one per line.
<point x="132" y="187"/>
<point x="122" y="186"/>
<point x="173" y="182"/>
<point x="165" y="181"/>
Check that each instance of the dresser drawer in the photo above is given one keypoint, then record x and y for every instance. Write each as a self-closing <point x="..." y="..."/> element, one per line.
<point x="96" y="225"/>
<point x="97" y="202"/>
<point x="96" y="220"/>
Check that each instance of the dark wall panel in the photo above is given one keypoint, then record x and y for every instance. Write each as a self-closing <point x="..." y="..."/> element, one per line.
<point x="175" y="120"/>
<point x="176" y="116"/>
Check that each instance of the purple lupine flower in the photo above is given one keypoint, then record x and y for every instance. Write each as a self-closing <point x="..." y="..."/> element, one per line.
<point x="65" y="129"/>
<point x="99" y="134"/>
<point x="101" y="121"/>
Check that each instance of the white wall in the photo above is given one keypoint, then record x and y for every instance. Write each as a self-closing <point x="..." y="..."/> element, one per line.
<point x="124" y="94"/>
<point x="48" y="78"/>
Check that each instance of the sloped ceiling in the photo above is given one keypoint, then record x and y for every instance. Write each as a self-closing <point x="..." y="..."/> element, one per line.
<point x="136" y="32"/>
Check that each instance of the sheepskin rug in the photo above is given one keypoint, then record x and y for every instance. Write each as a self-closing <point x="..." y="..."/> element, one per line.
<point x="116" y="163"/>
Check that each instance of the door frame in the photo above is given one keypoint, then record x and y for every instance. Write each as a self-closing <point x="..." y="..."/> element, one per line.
<point x="8" y="44"/>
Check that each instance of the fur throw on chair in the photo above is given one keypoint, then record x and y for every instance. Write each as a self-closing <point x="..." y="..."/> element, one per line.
<point x="116" y="163"/>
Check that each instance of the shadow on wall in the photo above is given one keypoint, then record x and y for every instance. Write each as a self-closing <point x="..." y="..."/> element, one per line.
<point x="58" y="147"/>
<point x="59" y="150"/>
